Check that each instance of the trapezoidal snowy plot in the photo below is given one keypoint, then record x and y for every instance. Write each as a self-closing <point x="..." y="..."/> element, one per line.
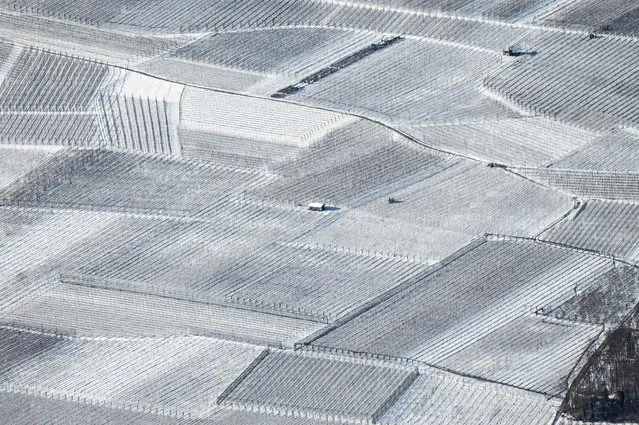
<point x="62" y="183"/>
<point x="189" y="372"/>
<point x="89" y="307"/>
<point x="262" y="120"/>
<point x="502" y="279"/>
<point x="319" y="386"/>
<point x="446" y="398"/>
<point x="352" y="165"/>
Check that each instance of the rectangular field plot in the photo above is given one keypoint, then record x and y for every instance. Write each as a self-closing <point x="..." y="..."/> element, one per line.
<point x="201" y="15"/>
<point x="143" y="255"/>
<point x="531" y="352"/>
<point x="200" y="74"/>
<point x="449" y="200"/>
<point x="177" y="258"/>
<point x="292" y="51"/>
<point x="614" y="15"/>
<point x="95" y="179"/>
<point x="322" y="282"/>
<point x="614" y="152"/>
<point x="141" y="124"/>
<point x="594" y="184"/>
<point x="184" y="375"/>
<point x="36" y="243"/>
<point x="603" y="226"/>
<point x="496" y="9"/>
<point x="42" y="81"/>
<point x="471" y="295"/>
<point x="471" y="32"/>
<point x="352" y="165"/>
<point x="116" y="48"/>
<point x="427" y="88"/>
<point x="6" y="50"/>
<point x="80" y="11"/>
<point x="38" y="409"/>
<point x="626" y="22"/>
<point x="240" y="417"/>
<point x="326" y="387"/>
<point x="448" y="399"/>
<point x="385" y="235"/>
<point x="233" y="151"/>
<point x="257" y="119"/>
<point x="528" y="142"/>
<point x="18" y="348"/>
<point x="91" y="311"/>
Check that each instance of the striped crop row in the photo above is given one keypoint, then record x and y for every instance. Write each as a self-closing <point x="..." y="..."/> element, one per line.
<point x="41" y="81"/>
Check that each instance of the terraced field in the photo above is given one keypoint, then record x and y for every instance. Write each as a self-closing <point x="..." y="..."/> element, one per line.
<point x="118" y="373"/>
<point x="603" y="226"/>
<point x="548" y="86"/>
<point x="411" y="92"/>
<point x="295" y="51"/>
<point x="64" y="180"/>
<point x="524" y="141"/>
<point x="352" y="165"/>
<point x="364" y="391"/>
<point x="615" y="16"/>
<point x="437" y="315"/>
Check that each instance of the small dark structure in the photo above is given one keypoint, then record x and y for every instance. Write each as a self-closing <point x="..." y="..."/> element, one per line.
<point x="514" y="51"/>
<point x="496" y="165"/>
<point x="394" y="201"/>
<point x="511" y="51"/>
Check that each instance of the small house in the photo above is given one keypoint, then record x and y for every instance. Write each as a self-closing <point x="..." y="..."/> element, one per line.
<point x="316" y="206"/>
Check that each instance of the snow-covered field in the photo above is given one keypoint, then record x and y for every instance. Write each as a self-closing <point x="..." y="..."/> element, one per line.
<point x="471" y="251"/>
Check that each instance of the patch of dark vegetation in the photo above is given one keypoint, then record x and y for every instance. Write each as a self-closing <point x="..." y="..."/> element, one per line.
<point x="607" y="389"/>
<point x="336" y="66"/>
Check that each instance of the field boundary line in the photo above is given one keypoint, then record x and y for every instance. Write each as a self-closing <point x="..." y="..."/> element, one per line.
<point x="240" y="378"/>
